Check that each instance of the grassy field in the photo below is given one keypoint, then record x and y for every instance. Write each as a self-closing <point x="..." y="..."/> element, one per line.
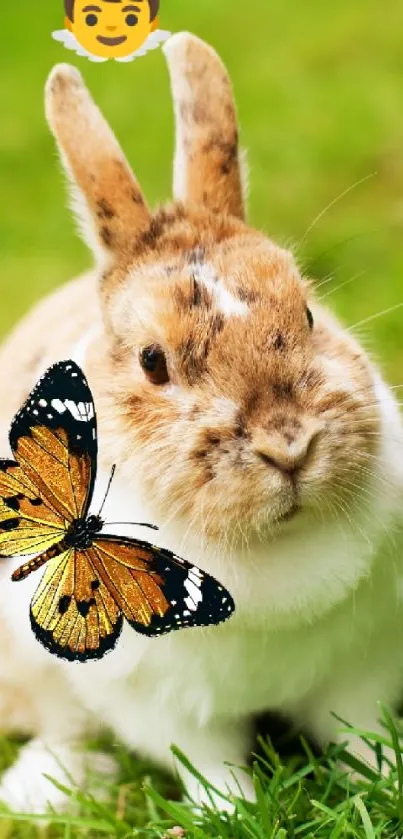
<point x="319" y="87"/>
<point x="301" y="797"/>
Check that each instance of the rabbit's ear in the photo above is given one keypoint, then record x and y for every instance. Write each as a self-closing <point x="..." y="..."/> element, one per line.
<point x="207" y="165"/>
<point x="108" y="201"/>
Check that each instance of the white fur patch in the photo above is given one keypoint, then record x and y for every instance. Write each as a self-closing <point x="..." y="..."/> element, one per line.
<point x="80" y="350"/>
<point x="226" y="302"/>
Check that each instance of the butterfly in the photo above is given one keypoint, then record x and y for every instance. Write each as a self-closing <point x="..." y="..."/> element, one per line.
<point x="92" y="580"/>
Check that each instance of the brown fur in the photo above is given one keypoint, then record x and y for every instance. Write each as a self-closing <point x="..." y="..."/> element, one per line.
<point x="261" y="413"/>
<point x="207" y="139"/>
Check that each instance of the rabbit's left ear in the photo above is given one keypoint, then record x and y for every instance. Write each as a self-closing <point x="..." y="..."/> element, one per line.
<point x="207" y="166"/>
<point x="108" y="201"/>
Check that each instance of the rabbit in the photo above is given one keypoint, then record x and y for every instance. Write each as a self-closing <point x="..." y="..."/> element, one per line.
<point x="249" y="425"/>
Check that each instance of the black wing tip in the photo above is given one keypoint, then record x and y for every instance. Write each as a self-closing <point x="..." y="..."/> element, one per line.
<point x="65" y="366"/>
<point x="59" y="367"/>
<point x="157" y="627"/>
<point x="63" y="380"/>
<point x="152" y="632"/>
<point x="45" y="637"/>
<point x="68" y="366"/>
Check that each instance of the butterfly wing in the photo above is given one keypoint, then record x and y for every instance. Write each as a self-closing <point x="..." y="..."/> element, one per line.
<point x="55" y="435"/>
<point x="156" y="590"/>
<point x="51" y="481"/>
<point x="78" y="608"/>
<point x="73" y="613"/>
<point x="27" y="523"/>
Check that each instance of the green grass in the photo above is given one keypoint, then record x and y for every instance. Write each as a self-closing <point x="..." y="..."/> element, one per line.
<point x="304" y="796"/>
<point x="319" y="87"/>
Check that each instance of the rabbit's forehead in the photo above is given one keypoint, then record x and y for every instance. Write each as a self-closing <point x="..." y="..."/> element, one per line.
<point x="200" y="302"/>
<point x="206" y="292"/>
<point x="224" y="298"/>
<point x="204" y="319"/>
<point x="235" y="285"/>
<point x="233" y="277"/>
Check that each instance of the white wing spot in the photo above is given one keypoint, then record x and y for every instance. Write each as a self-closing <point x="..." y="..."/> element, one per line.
<point x="43" y="403"/>
<point x="57" y="404"/>
<point x="81" y="411"/>
<point x="196" y="578"/>
<point x="195" y="595"/>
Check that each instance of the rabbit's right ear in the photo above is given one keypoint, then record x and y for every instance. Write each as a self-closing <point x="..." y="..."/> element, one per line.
<point x="207" y="166"/>
<point x="108" y="201"/>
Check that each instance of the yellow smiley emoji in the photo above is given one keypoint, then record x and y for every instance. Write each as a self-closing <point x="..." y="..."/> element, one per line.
<point x="111" y="28"/>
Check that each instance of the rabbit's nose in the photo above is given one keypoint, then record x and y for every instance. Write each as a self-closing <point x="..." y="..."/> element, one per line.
<point x="286" y="450"/>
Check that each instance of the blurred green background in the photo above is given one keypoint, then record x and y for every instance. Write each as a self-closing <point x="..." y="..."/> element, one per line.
<point x="319" y="87"/>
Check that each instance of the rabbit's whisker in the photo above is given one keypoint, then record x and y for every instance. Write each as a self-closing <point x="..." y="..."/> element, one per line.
<point x="331" y="204"/>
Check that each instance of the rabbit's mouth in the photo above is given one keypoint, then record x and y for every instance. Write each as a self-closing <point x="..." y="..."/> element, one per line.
<point x="289" y="514"/>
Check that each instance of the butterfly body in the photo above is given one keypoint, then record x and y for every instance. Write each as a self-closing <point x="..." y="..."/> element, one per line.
<point x="82" y="532"/>
<point x="80" y="535"/>
<point x="92" y="580"/>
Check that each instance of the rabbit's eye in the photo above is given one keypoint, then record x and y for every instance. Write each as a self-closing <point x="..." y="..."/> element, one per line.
<point x="309" y="317"/>
<point x="153" y="362"/>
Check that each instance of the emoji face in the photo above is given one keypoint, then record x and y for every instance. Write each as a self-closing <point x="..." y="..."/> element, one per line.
<point x="111" y="28"/>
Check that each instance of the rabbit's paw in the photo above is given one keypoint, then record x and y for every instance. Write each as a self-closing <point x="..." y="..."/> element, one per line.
<point x="25" y="786"/>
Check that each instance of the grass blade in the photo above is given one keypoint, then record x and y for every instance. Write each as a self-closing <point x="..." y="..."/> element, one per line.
<point x="367" y="824"/>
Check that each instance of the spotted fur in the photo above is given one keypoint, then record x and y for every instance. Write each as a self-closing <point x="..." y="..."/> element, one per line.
<point x="229" y="309"/>
<point x="271" y="455"/>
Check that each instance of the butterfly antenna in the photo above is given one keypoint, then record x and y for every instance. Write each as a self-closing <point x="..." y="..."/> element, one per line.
<point x="108" y="488"/>
<point x="133" y="524"/>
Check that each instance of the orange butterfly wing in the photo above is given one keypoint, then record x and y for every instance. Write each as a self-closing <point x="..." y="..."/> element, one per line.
<point x="77" y="610"/>
<point x="155" y="589"/>
<point x="73" y="613"/>
<point x="29" y="522"/>
<point x="50" y="482"/>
